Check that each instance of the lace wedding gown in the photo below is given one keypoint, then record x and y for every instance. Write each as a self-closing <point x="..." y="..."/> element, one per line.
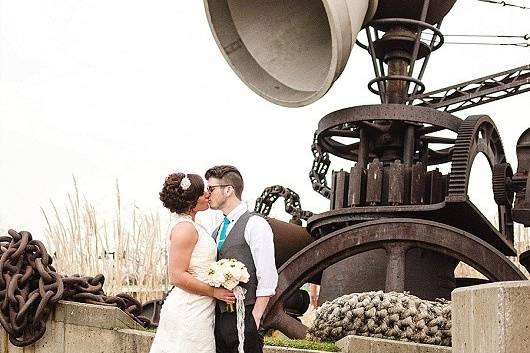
<point x="187" y="320"/>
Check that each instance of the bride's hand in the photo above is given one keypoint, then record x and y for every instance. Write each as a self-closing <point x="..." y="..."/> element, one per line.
<point x="224" y="295"/>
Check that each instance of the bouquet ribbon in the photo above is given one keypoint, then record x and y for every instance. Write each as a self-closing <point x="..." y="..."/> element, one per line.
<point x="240" y="315"/>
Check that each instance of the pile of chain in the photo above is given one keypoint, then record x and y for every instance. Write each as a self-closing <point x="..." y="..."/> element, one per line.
<point x="30" y="287"/>
<point x="395" y="316"/>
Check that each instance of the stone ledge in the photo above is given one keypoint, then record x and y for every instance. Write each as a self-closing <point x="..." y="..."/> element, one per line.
<point x="358" y="344"/>
<point x="135" y="341"/>
<point x="87" y="328"/>
<point x="140" y="341"/>
<point x="275" y="349"/>
<point x="492" y="318"/>
<point x="99" y="316"/>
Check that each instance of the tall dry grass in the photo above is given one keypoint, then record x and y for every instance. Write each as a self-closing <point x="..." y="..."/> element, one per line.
<point x="128" y="249"/>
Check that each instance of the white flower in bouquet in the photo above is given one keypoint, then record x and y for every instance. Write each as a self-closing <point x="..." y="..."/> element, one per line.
<point x="215" y="275"/>
<point x="227" y="273"/>
<point x="240" y="271"/>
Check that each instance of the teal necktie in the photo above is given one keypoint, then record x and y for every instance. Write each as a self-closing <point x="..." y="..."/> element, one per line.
<point x="222" y="234"/>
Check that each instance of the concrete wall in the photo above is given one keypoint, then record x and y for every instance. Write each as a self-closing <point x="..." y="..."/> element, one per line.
<point x="356" y="344"/>
<point x="83" y="328"/>
<point x="492" y="318"/>
<point x="86" y="328"/>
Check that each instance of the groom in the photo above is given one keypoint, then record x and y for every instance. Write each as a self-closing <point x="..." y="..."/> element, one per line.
<point x="248" y="238"/>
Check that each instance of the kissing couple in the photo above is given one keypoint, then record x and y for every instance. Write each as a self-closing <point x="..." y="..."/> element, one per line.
<point x="194" y="317"/>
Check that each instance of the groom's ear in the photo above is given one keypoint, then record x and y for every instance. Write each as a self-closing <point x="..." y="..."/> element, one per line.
<point x="229" y="190"/>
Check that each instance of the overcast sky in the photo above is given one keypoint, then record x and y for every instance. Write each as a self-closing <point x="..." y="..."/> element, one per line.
<point x="133" y="90"/>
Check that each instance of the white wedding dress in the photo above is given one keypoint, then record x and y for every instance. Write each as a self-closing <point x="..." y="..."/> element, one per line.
<point x="187" y="320"/>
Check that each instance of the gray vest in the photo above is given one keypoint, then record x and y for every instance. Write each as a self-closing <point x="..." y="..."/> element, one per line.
<point x="236" y="247"/>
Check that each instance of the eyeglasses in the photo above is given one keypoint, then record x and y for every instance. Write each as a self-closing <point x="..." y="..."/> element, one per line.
<point x="211" y="188"/>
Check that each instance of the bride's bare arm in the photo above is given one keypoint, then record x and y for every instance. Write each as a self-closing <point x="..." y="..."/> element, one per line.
<point x="184" y="237"/>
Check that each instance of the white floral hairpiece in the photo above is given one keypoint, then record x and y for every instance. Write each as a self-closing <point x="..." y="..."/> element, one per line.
<point x="185" y="183"/>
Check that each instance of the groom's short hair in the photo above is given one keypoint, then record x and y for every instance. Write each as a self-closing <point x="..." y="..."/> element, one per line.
<point x="229" y="175"/>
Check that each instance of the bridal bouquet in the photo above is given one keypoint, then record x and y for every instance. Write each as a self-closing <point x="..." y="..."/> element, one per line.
<point x="228" y="273"/>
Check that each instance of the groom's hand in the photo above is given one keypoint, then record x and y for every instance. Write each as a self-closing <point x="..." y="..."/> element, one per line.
<point x="257" y="318"/>
<point x="259" y="308"/>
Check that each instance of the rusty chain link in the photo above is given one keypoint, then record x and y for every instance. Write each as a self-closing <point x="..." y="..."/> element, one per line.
<point x="320" y="167"/>
<point x="30" y="287"/>
<point x="291" y="199"/>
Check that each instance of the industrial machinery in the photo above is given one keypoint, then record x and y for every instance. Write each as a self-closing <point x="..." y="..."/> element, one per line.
<point x="396" y="222"/>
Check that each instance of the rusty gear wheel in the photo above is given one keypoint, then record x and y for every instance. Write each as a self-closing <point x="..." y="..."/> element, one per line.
<point x="501" y="193"/>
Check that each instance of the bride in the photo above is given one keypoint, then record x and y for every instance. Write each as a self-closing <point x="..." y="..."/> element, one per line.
<point x="188" y="314"/>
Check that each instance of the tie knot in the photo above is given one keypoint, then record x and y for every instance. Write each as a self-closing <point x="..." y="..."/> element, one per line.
<point x="226" y="220"/>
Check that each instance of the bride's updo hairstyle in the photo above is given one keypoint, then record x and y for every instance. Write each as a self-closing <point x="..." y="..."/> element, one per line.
<point x="181" y="192"/>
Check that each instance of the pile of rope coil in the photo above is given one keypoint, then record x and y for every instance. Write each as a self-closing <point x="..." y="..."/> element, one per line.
<point x="30" y="287"/>
<point x="395" y="316"/>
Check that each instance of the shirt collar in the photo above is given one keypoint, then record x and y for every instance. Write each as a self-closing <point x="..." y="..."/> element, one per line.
<point x="237" y="212"/>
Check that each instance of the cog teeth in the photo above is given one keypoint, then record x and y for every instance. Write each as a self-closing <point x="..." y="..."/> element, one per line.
<point x="461" y="154"/>
<point x="501" y="194"/>
<point x="461" y="160"/>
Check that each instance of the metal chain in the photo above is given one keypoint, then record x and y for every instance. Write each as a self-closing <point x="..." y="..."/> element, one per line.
<point x="291" y="199"/>
<point x="320" y="167"/>
<point x="30" y="287"/>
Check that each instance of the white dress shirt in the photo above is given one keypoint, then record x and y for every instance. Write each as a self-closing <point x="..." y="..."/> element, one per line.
<point x="259" y="237"/>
